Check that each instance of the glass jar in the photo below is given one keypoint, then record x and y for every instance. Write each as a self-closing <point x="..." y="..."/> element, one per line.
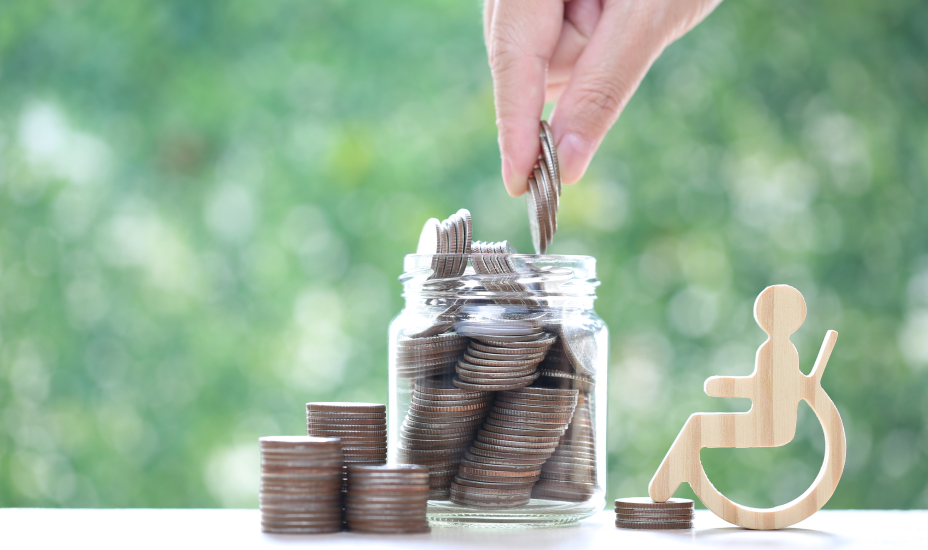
<point x="495" y="378"/>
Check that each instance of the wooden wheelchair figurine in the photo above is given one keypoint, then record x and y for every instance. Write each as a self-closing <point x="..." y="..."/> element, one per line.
<point x="775" y="387"/>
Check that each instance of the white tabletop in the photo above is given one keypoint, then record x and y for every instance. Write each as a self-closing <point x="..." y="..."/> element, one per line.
<point x="232" y="529"/>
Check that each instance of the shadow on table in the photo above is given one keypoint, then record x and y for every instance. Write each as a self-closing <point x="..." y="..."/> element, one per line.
<point x="789" y="537"/>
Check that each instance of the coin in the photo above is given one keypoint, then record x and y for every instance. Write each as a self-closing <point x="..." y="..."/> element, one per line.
<point x="542" y="340"/>
<point x="535" y="222"/>
<point x="636" y="503"/>
<point x="655" y="526"/>
<point x="547" y="201"/>
<point x="580" y="347"/>
<point x="344" y="407"/>
<point x="676" y="515"/>
<point x="521" y="382"/>
<point x="428" y="242"/>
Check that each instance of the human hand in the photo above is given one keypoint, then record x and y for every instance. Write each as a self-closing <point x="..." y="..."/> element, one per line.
<point x="592" y="54"/>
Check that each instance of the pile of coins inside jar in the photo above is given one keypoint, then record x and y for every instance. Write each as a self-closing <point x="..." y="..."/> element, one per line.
<point x="499" y="382"/>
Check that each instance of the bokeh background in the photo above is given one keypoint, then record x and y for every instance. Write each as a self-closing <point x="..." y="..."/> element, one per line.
<point x="204" y="208"/>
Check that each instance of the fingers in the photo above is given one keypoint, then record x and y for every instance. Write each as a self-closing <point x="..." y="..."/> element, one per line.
<point x="521" y="39"/>
<point x="630" y="35"/>
<point x="580" y="18"/>
<point x="606" y="75"/>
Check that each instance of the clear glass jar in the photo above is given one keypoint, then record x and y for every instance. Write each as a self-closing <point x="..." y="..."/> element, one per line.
<point x="498" y="384"/>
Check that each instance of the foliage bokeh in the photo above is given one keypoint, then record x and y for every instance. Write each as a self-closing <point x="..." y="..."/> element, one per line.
<point x="204" y="208"/>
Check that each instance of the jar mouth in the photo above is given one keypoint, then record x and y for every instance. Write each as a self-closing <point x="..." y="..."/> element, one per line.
<point x="499" y="276"/>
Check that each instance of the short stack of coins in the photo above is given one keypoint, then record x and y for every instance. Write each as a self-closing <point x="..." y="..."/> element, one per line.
<point x="301" y="484"/>
<point x="439" y="427"/>
<point x="387" y="499"/>
<point x="362" y="427"/>
<point x="644" y="513"/>
<point x="522" y="430"/>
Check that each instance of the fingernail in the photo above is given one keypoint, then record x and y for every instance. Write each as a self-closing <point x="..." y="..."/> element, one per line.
<point x="574" y="155"/>
<point x="510" y="179"/>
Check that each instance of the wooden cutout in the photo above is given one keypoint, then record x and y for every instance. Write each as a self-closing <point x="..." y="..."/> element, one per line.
<point x="775" y="387"/>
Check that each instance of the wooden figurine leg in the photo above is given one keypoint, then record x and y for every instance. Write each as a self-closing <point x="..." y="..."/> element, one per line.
<point x="702" y="430"/>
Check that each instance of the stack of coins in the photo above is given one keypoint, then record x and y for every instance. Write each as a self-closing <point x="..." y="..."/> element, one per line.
<point x="301" y="484"/>
<point x="362" y="428"/>
<point x="495" y="259"/>
<point x="438" y="429"/>
<point x="544" y="191"/>
<point x="429" y="356"/>
<point x="644" y="513"/>
<point x="503" y="357"/>
<point x="452" y="236"/>
<point x="387" y="499"/>
<point x="570" y="473"/>
<point x="522" y="430"/>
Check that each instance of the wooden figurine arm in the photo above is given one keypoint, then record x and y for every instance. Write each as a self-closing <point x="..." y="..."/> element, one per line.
<point x="823" y="355"/>
<point x="730" y="386"/>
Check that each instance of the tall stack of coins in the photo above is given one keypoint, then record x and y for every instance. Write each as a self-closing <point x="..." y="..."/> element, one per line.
<point x="301" y="484"/>
<point x="387" y="499"/>
<point x="522" y="429"/>
<point x="438" y="429"/>
<point x="362" y="428"/>
<point x="644" y="513"/>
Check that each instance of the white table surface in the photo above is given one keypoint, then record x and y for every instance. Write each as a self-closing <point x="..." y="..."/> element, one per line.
<point x="231" y="529"/>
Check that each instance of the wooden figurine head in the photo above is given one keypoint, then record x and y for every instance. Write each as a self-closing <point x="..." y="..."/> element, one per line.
<point x="780" y="310"/>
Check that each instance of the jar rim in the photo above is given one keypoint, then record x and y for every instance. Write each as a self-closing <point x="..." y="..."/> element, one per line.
<point x="534" y="276"/>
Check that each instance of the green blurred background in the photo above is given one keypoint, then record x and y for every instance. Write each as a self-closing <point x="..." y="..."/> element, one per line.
<point x="204" y="208"/>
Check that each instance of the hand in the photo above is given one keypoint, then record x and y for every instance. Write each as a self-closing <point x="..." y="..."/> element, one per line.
<point x="592" y="54"/>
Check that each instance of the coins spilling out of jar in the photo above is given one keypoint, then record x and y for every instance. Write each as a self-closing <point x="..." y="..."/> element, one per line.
<point x="500" y="382"/>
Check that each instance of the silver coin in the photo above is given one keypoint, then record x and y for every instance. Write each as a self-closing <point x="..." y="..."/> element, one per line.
<point x="535" y="222"/>
<point x="468" y="229"/>
<point x="548" y="140"/>
<point x="547" y="204"/>
<point x="455" y="239"/>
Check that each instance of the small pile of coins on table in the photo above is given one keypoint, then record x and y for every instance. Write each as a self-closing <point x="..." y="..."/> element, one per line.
<point x="321" y="484"/>
<point x="644" y="513"/>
